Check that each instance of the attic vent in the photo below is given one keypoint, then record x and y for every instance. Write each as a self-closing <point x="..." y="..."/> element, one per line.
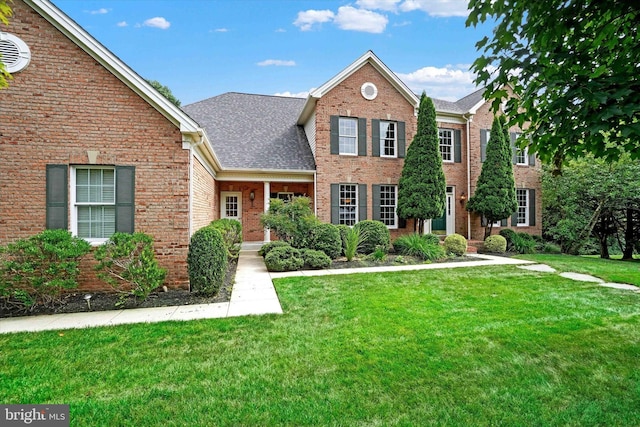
<point x="369" y="91"/>
<point x="14" y="53"/>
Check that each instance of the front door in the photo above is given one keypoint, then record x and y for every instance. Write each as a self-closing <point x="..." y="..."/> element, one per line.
<point x="231" y="205"/>
<point x="445" y="225"/>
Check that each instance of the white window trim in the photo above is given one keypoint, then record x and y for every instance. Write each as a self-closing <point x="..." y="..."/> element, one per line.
<point x="395" y="206"/>
<point x="526" y="209"/>
<point x="395" y="140"/>
<point x="223" y="204"/>
<point x="340" y="152"/>
<point x="525" y="155"/>
<point x="73" y="207"/>
<point x="356" y="206"/>
<point x="451" y="152"/>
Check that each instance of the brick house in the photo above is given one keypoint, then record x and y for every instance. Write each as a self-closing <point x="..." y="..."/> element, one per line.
<point x="87" y="145"/>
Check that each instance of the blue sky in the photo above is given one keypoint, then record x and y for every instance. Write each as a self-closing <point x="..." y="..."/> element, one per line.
<point x="203" y="48"/>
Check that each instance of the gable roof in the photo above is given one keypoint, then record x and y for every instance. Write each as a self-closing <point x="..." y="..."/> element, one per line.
<point x="123" y="72"/>
<point x="368" y="58"/>
<point x="255" y="131"/>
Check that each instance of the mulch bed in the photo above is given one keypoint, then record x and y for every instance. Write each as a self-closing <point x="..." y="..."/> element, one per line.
<point x="391" y="260"/>
<point x="75" y="302"/>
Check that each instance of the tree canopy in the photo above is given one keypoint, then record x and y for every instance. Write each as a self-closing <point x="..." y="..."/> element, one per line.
<point x="165" y="91"/>
<point x="422" y="186"/>
<point x="573" y="66"/>
<point x="5" y="14"/>
<point x="495" y="194"/>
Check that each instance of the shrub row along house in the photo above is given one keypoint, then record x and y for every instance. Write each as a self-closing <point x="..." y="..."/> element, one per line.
<point x="89" y="146"/>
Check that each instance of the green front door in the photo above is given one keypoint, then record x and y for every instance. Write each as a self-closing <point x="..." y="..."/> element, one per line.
<point x="439" y="225"/>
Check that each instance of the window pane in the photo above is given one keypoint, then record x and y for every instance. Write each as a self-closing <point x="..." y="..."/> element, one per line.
<point x="446" y="144"/>
<point x="348" y="204"/>
<point x="523" y="211"/>
<point x="96" y="222"/>
<point x="388" y="139"/>
<point x="348" y="131"/>
<point x="388" y="205"/>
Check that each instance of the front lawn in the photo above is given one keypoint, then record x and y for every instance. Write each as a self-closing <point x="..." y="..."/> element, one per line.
<point x="471" y="346"/>
<point x="610" y="270"/>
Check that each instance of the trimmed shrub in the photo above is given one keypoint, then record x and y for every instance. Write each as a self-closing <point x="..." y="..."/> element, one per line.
<point x="509" y="235"/>
<point x="551" y="248"/>
<point x="455" y="244"/>
<point x="291" y="220"/>
<point x="495" y="243"/>
<point x="267" y="247"/>
<point x="127" y="263"/>
<point x="207" y="261"/>
<point x="326" y="238"/>
<point x="36" y="271"/>
<point x="524" y="243"/>
<point x="376" y="234"/>
<point x="419" y="246"/>
<point x="315" y="259"/>
<point x="284" y="258"/>
<point x="231" y="230"/>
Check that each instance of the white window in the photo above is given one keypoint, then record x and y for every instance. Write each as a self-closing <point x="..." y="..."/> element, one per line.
<point x="446" y="144"/>
<point x="231" y="205"/>
<point x="93" y="203"/>
<point x="388" y="140"/>
<point x="348" y="204"/>
<point x="388" y="203"/>
<point x="523" y="206"/>
<point x="522" y="156"/>
<point x="348" y="136"/>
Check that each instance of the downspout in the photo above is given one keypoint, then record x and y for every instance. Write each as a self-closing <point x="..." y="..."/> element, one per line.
<point x="315" y="193"/>
<point x="468" y="118"/>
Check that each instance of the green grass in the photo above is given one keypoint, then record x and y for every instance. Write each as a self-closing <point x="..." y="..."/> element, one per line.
<point x="471" y="346"/>
<point x="609" y="270"/>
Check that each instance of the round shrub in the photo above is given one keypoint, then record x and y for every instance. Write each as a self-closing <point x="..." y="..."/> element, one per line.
<point x="284" y="258"/>
<point x="374" y="234"/>
<point x="267" y="247"/>
<point x="326" y="238"/>
<point x="496" y="243"/>
<point x="315" y="259"/>
<point x="207" y="261"/>
<point x="455" y="244"/>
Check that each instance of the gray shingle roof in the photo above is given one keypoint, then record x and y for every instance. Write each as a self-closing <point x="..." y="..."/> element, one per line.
<point x="254" y="131"/>
<point x="461" y="106"/>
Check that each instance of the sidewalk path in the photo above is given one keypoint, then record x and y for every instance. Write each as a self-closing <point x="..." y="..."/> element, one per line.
<point x="253" y="294"/>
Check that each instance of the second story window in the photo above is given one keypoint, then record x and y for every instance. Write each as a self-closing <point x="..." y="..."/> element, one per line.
<point x="446" y="144"/>
<point x="388" y="139"/>
<point x="348" y="136"/>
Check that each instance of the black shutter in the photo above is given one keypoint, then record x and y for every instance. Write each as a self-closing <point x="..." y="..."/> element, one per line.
<point x="334" y="134"/>
<point x="483" y="144"/>
<point x="514" y="218"/>
<point x="125" y="191"/>
<point x="514" y="150"/>
<point x="483" y="221"/>
<point x="362" y="137"/>
<point x="503" y="223"/>
<point x="402" y="223"/>
<point x="57" y="203"/>
<point x="532" y="207"/>
<point x="375" y="138"/>
<point x="376" y="202"/>
<point x="457" y="146"/>
<point x="402" y="140"/>
<point x="532" y="159"/>
<point x="335" y="204"/>
<point x="362" y="202"/>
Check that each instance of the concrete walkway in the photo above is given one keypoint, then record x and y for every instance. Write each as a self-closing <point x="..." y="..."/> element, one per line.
<point x="253" y="294"/>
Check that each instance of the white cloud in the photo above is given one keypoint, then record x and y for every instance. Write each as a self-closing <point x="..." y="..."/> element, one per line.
<point x="122" y="24"/>
<point x="101" y="11"/>
<point x="281" y="30"/>
<point x="221" y="30"/>
<point x="437" y="8"/>
<point x="308" y="18"/>
<point x="288" y="94"/>
<point x="449" y="82"/>
<point x="157" y="22"/>
<point x="350" y="18"/>
<point x="277" y="63"/>
<point x="388" y="5"/>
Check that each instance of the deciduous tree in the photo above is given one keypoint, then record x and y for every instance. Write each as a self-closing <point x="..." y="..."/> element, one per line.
<point x="573" y="68"/>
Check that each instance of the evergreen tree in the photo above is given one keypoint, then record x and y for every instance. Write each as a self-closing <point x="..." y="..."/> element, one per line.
<point x="165" y="91"/>
<point x="495" y="195"/>
<point x="422" y="187"/>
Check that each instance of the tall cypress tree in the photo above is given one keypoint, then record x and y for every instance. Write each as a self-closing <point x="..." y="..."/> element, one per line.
<point x="495" y="195"/>
<point x="422" y="187"/>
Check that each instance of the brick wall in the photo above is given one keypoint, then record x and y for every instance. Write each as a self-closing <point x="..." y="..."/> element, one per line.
<point x="204" y="204"/>
<point x="65" y="104"/>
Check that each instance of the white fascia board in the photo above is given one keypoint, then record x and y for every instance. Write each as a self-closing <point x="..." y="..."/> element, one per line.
<point x="450" y="118"/>
<point x="475" y="108"/>
<point x="113" y="64"/>
<point x="270" y="175"/>
<point x="307" y="110"/>
<point x="368" y="57"/>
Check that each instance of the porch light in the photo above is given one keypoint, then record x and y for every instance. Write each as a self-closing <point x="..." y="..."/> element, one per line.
<point x="463" y="198"/>
<point x="252" y="196"/>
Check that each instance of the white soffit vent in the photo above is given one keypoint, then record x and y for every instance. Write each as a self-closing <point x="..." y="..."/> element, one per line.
<point x="369" y="91"/>
<point x="14" y="53"/>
